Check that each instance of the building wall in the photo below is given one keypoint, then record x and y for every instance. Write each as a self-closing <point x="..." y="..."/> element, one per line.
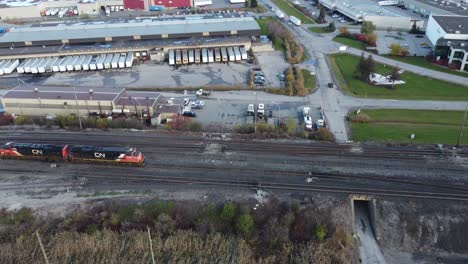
<point x="134" y="4"/>
<point x="434" y="31"/>
<point x="384" y="22"/>
<point x="172" y="3"/>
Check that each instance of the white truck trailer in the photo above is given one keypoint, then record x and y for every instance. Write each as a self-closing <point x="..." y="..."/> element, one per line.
<point x="178" y="57"/>
<point x="20" y="68"/>
<point x="115" y="61"/>
<point x="129" y="60"/>
<point x="279" y="14"/>
<point x="122" y="58"/>
<point x="191" y="58"/>
<point x="78" y="63"/>
<point x="184" y="57"/>
<point x="237" y="53"/>
<point x="4" y="64"/>
<point x="41" y="68"/>
<point x="232" y="56"/>
<point x="224" y="55"/>
<point x="171" y="57"/>
<point x="35" y="66"/>
<point x="204" y="55"/>
<point x="27" y="68"/>
<point x="108" y="61"/>
<point x="217" y="55"/>
<point x="56" y="66"/>
<point x="92" y="63"/>
<point x="71" y="63"/>
<point x="100" y="61"/>
<point x="296" y="21"/>
<point x="63" y="65"/>
<point x="243" y="53"/>
<point x="86" y="62"/>
<point x="197" y="56"/>
<point x="210" y="56"/>
<point x="11" y="67"/>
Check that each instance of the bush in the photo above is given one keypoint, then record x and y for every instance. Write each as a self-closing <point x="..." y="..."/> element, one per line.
<point x="320" y="232"/>
<point x="22" y="120"/>
<point x="244" y="129"/>
<point x="323" y="134"/>
<point x="359" y="118"/>
<point x="245" y="224"/>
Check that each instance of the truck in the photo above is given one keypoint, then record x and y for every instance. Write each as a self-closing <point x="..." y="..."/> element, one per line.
<point x="178" y="57"/>
<point x="92" y="63"/>
<point x="108" y="11"/>
<point x="156" y="8"/>
<point x="71" y="63"/>
<point x="191" y="58"/>
<point x="210" y="55"/>
<point x="296" y="21"/>
<point x="123" y="57"/>
<point x="251" y="109"/>
<point x="307" y="118"/>
<point x="129" y="60"/>
<point x="11" y="67"/>
<point x="77" y="66"/>
<point x="244" y="54"/>
<point x="108" y="61"/>
<point x="237" y="53"/>
<point x="232" y="56"/>
<point x="197" y="56"/>
<point x="41" y="68"/>
<point x="56" y="65"/>
<point x="3" y="64"/>
<point x="205" y="55"/>
<point x="261" y="109"/>
<point x="20" y="68"/>
<point x="171" y="57"/>
<point x="224" y="55"/>
<point x="35" y="65"/>
<point x="184" y="57"/>
<point x="115" y="61"/>
<point x="63" y="65"/>
<point x="217" y="53"/>
<point x="279" y="14"/>
<point x="86" y="62"/>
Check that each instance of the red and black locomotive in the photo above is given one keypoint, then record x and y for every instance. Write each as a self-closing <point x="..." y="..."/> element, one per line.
<point x="72" y="153"/>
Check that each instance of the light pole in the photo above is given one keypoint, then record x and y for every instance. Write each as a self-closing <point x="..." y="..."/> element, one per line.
<point x="462" y="126"/>
<point x="255" y="113"/>
<point x="77" y="110"/>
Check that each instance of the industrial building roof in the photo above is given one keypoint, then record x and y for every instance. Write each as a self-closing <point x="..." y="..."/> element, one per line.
<point x="136" y="27"/>
<point x="59" y="93"/>
<point x="357" y="9"/>
<point x="453" y="24"/>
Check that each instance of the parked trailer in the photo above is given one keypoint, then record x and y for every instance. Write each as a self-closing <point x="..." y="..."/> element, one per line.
<point x="243" y="53"/>
<point x="171" y="57"/>
<point x="20" y="68"/>
<point x="108" y="61"/>
<point x="121" y="63"/>
<point x="86" y="62"/>
<point x="35" y="66"/>
<point x="191" y="58"/>
<point x="100" y="61"/>
<point x="237" y="53"/>
<point x="232" y="56"/>
<point x="41" y="68"/>
<point x="197" y="56"/>
<point x="178" y="57"/>
<point x="79" y="62"/>
<point x="92" y="63"/>
<point x="52" y="62"/>
<point x="204" y="55"/>
<point x="210" y="55"/>
<point x="63" y="65"/>
<point x="184" y="57"/>
<point x="11" y="67"/>
<point x="217" y="55"/>
<point x="56" y="65"/>
<point x="71" y="63"/>
<point x="129" y="60"/>
<point x="115" y="61"/>
<point x="279" y="14"/>
<point x="224" y="55"/>
<point x="27" y="68"/>
<point x="3" y="63"/>
<point x="296" y="21"/>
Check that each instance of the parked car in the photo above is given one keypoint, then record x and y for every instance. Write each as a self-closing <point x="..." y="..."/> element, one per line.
<point x="190" y="114"/>
<point x="330" y="85"/>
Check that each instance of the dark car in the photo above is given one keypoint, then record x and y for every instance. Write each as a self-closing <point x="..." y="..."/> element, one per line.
<point x="190" y="114"/>
<point x="330" y="85"/>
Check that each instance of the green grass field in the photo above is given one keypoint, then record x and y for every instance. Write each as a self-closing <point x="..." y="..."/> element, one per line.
<point x="417" y="87"/>
<point x="396" y="125"/>
<point x="292" y="11"/>
<point x="320" y="30"/>
<point x="420" y="61"/>
<point x="349" y="42"/>
<point x="309" y="80"/>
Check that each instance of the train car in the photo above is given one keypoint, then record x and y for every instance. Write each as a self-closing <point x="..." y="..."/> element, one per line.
<point x="119" y="155"/>
<point x="47" y="152"/>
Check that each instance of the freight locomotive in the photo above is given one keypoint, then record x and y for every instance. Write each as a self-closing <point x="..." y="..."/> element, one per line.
<point x="72" y="153"/>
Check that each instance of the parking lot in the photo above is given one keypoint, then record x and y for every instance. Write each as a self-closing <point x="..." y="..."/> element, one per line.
<point x="417" y="45"/>
<point x="272" y="64"/>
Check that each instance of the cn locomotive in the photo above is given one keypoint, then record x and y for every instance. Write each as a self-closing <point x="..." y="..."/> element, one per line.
<point x="72" y="153"/>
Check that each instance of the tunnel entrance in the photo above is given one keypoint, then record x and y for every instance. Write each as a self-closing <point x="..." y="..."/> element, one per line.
<point x="364" y="215"/>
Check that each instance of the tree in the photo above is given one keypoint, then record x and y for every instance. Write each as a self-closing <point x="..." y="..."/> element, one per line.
<point x="228" y="212"/>
<point x="395" y="49"/>
<point x="253" y="3"/>
<point x="344" y="32"/>
<point x="321" y="17"/>
<point x="370" y="66"/>
<point x="245" y="224"/>
<point x="367" y="27"/>
<point x="371" y="39"/>
<point x="331" y="27"/>
<point x="395" y="75"/>
<point x="361" y="68"/>
<point x="320" y="232"/>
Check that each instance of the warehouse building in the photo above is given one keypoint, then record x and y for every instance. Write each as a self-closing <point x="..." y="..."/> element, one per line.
<point x="449" y="37"/>
<point x="149" y="5"/>
<point x="367" y="10"/>
<point x="43" y="101"/>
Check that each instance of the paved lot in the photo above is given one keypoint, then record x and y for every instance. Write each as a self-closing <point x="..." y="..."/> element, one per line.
<point x="272" y="64"/>
<point x="162" y="75"/>
<point x="414" y="44"/>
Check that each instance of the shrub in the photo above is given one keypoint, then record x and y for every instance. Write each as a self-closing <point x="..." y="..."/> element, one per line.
<point x="359" y="118"/>
<point x="22" y="120"/>
<point x="245" y="224"/>
<point x="323" y="134"/>
<point x="244" y="129"/>
<point x="320" y="232"/>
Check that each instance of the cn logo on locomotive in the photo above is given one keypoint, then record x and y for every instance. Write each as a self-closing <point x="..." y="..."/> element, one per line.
<point x="36" y="151"/>
<point x="99" y="155"/>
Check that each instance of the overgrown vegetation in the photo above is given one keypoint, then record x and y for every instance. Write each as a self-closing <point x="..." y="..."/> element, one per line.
<point x="276" y="232"/>
<point x="367" y="37"/>
<point x="295" y="81"/>
<point x="397" y="125"/>
<point x="281" y="36"/>
<point x="417" y="87"/>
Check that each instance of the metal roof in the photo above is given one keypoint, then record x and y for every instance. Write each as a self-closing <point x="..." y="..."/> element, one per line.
<point x="143" y="27"/>
<point x="60" y="93"/>
<point x="453" y="24"/>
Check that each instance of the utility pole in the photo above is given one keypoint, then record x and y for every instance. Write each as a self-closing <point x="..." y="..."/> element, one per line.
<point x="462" y="126"/>
<point x="77" y="110"/>
<point x="42" y="247"/>
<point x="255" y="113"/>
<point x="151" y="244"/>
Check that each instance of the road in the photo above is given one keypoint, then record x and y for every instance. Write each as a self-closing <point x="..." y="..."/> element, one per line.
<point x="282" y="166"/>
